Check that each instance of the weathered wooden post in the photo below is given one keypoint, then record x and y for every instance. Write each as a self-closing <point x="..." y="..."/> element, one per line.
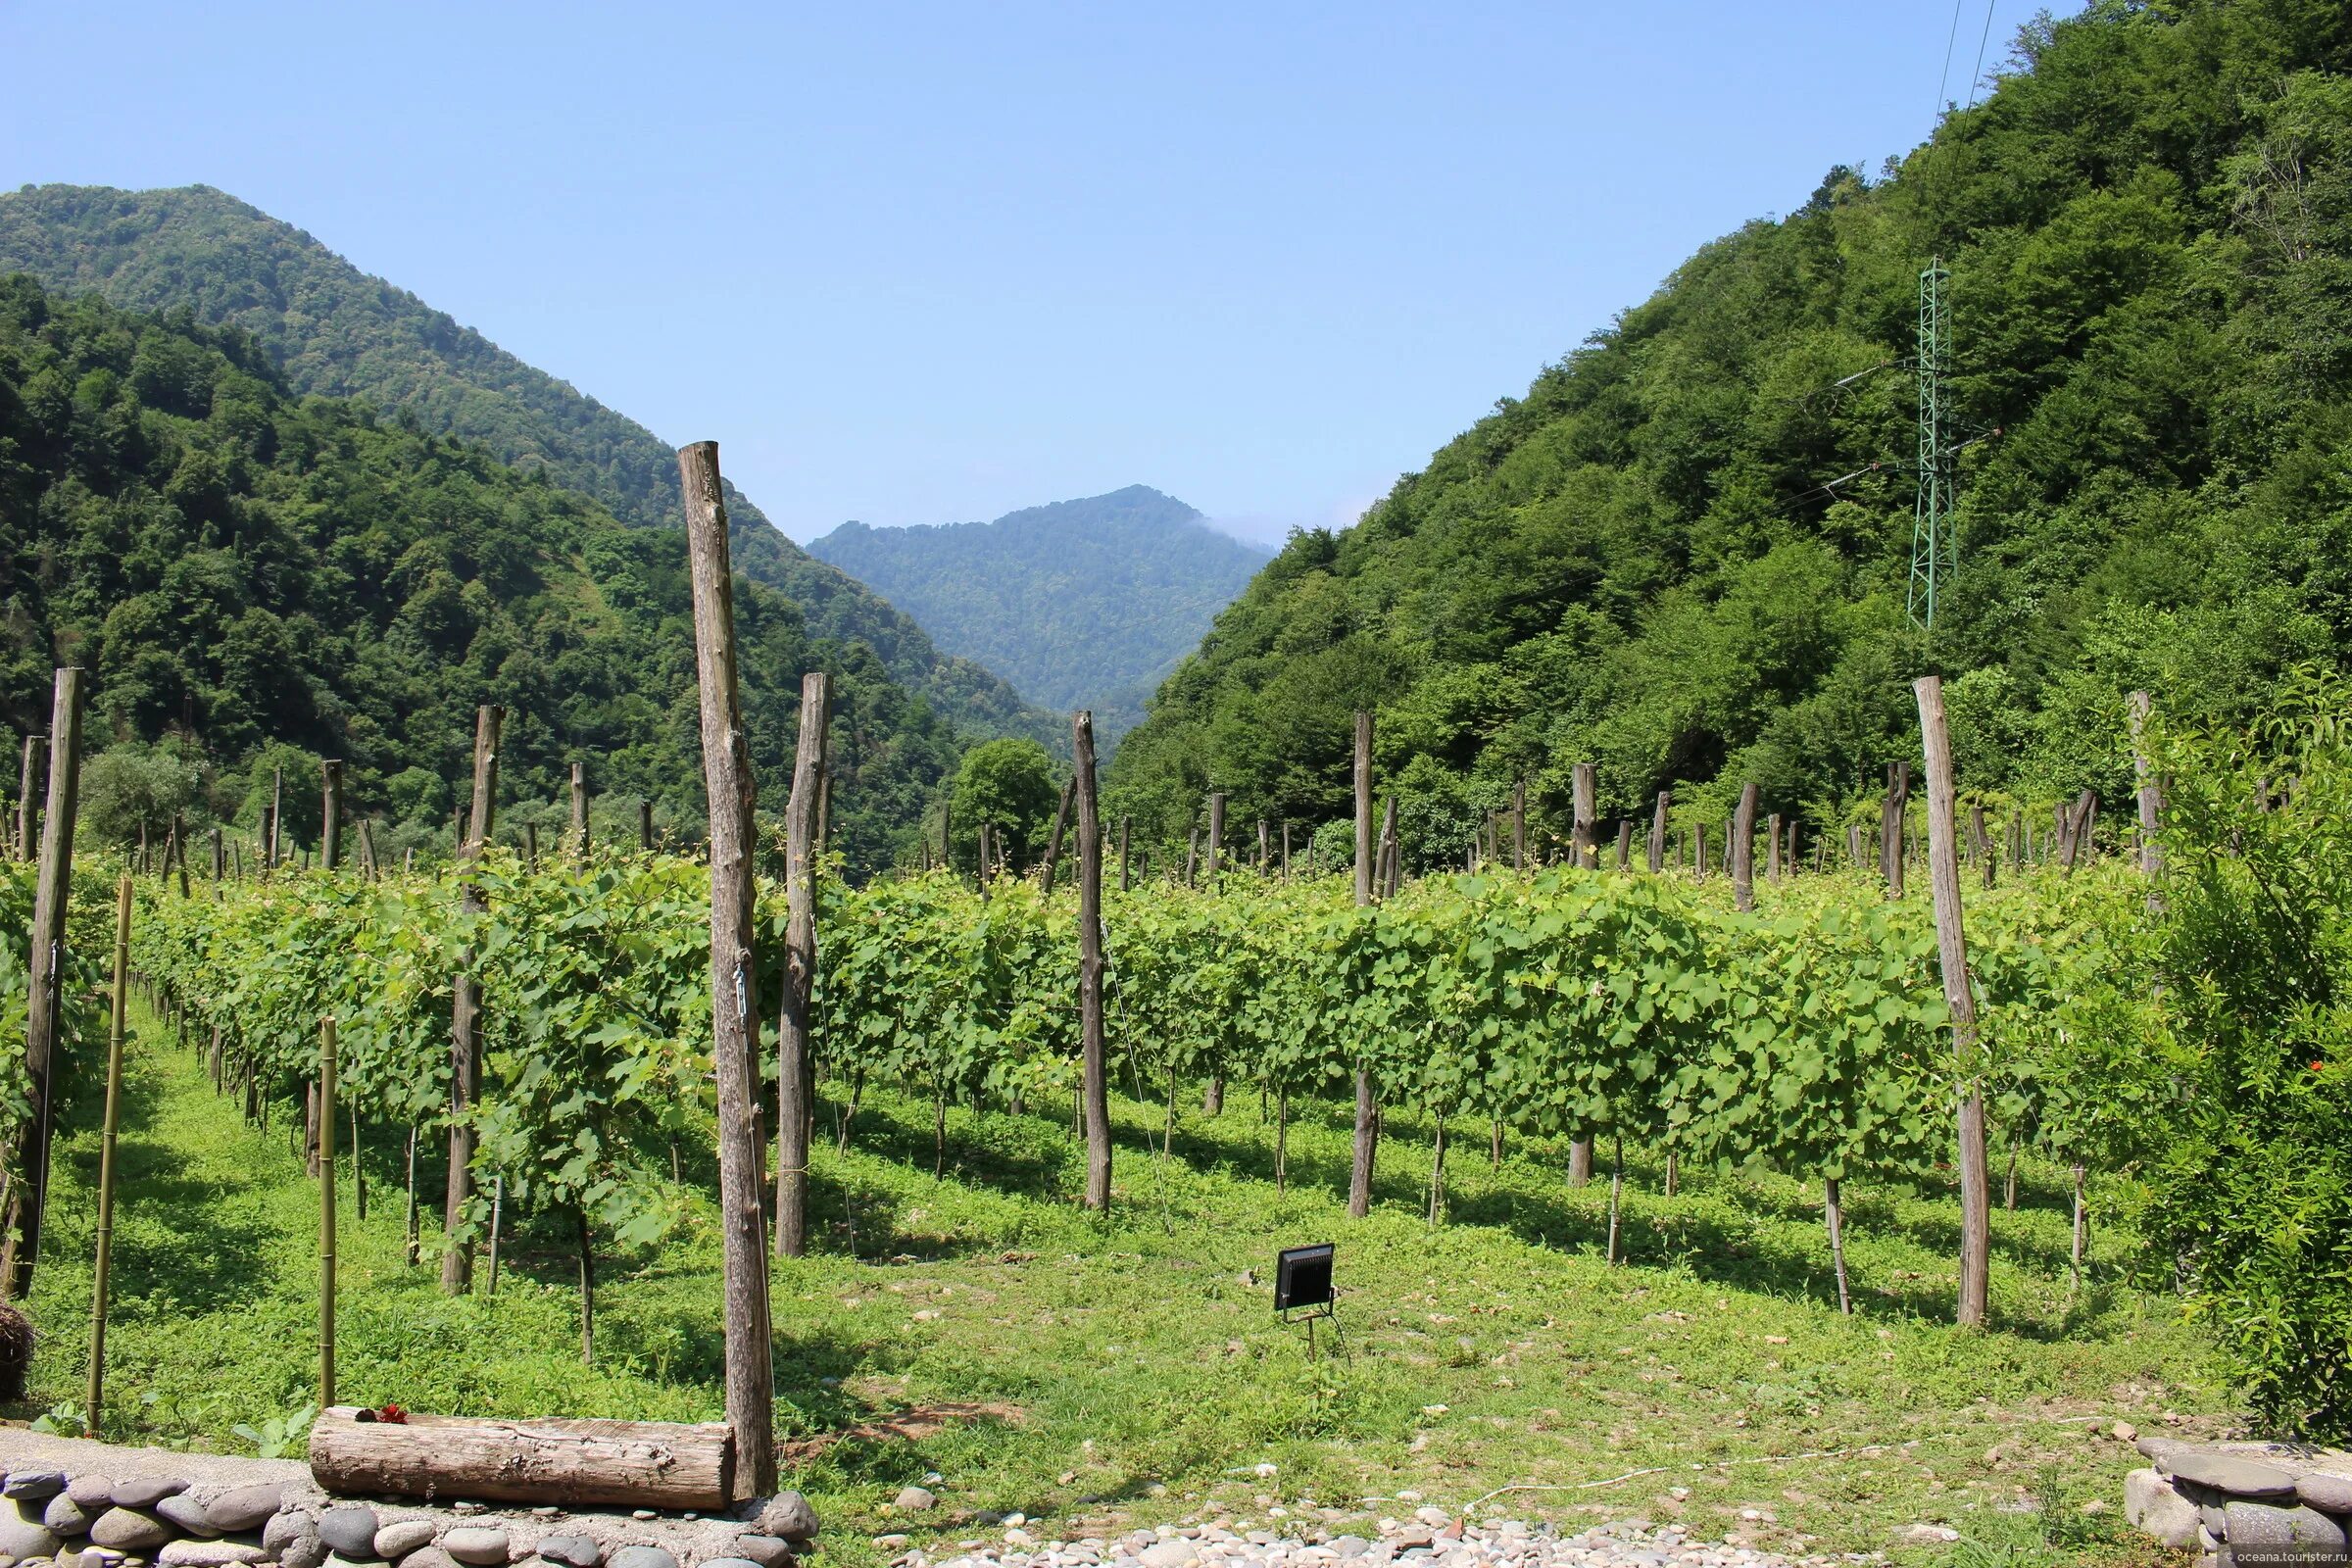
<point x="727" y="780"/>
<point x="2151" y="793"/>
<point x="1519" y="826"/>
<point x="577" y="849"/>
<point x="27" y="818"/>
<point x="1698" y="849"/>
<point x="331" y="815"/>
<point x="277" y="817"/>
<point x="1951" y="945"/>
<point x="1216" y="835"/>
<point x="466" y="1010"/>
<point x="796" y="1086"/>
<point x="1095" y="1076"/>
<point x="1585" y="780"/>
<point x="326" y="1213"/>
<point x="1744" y="849"/>
<point x="53" y="881"/>
<point x="1062" y="825"/>
<point x="644" y="826"/>
<point x="1893" y="810"/>
<point x="1772" y="848"/>
<point x="1123" y="877"/>
<point x="219" y="859"/>
<point x="1367" y="1110"/>
<point x="1625" y="844"/>
<point x="96" y="1399"/>
<point x="1657" y="832"/>
<point x="1981" y="842"/>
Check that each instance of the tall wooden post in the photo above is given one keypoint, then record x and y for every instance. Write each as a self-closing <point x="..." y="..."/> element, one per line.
<point x="219" y="860"/>
<point x="466" y="1010"/>
<point x="727" y="780"/>
<point x="1094" y="1075"/>
<point x="531" y="847"/>
<point x="330" y="817"/>
<point x="1519" y="826"/>
<point x="54" y="879"/>
<point x="1583" y="840"/>
<point x="796" y="1087"/>
<point x="1062" y="825"/>
<point x="1217" y="834"/>
<point x="277" y="817"/>
<point x="27" y="819"/>
<point x="1625" y="844"/>
<point x="1367" y="1110"/>
<point x="326" y="1213"/>
<point x="1657" y="832"/>
<point x="644" y="826"/>
<point x="96" y="1397"/>
<point x="1951" y="945"/>
<point x="1744" y="849"/>
<point x="1124" y="882"/>
<point x="1892" y="811"/>
<point x="1981" y="842"/>
<point x="577" y="849"/>
<point x="2151" y="793"/>
<point x="1772" y="852"/>
<point x="179" y="852"/>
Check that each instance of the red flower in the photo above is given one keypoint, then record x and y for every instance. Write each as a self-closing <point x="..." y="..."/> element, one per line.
<point x="394" y="1414"/>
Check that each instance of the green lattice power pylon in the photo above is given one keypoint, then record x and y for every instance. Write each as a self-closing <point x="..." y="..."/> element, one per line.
<point x="1935" y="533"/>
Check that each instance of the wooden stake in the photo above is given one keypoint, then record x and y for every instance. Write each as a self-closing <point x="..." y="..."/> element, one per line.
<point x="1892" y="811"/>
<point x="29" y="820"/>
<point x="1625" y="844"/>
<point x="1742" y="850"/>
<point x="1095" y="1074"/>
<point x="1062" y="825"/>
<point x="2151" y="796"/>
<point x="465" y="1011"/>
<point x="728" y="781"/>
<point x="1952" y="943"/>
<point x="1216" y="835"/>
<point x="1124" y="881"/>
<point x="530" y="845"/>
<point x="644" y="826"/>
<point x="796" y="1086"/>
<point x="587" y="1255"/>
<point x="29" y="1189"/>
<point x="1519" y="826"/>
<point x="1367" y="1108"/>
<point x="326" y="1213"/>
<point x="331" y="815"/>
<point x="277" y="812"/>
<point x="1582" y="788"/>
<point x="1834" y="1213"/>
<point x="498" y="1231"/>
<point x="219" y="860"/>
<point x="577" y="848"/>
<point x="414" y="1252"/>
<point x="96" y="1399"/>
<point x="1772" y="848"/>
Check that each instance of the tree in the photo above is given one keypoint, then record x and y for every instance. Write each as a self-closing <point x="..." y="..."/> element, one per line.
<point x="1007" y="784"/>
<point x="132" y="787"/>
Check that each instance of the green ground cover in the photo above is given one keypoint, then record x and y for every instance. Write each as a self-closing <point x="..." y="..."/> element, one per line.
<point x="1130" y="1370"/>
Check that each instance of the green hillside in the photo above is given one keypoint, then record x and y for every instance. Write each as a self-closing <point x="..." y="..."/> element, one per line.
<point x="1080" y="603"/>
<point x="253" y="579"/>
<point x="2149" y="228"/>
<point x="333" y="330"/>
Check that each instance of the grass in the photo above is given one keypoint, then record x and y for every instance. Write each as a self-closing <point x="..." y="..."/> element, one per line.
<point x="1129" y="1371"/>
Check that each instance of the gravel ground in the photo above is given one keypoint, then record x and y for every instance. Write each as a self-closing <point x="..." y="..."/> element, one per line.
<point x="1429" y="1540"/>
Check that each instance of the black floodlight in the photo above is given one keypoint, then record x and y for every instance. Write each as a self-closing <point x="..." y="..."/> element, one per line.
<point x="1302" y="1281"/>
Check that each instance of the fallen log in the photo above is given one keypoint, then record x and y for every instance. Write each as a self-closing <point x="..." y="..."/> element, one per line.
<point x="638" y="1464"/>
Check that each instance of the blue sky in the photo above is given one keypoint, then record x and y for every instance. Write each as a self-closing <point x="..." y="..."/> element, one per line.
<point x="925" y="264"/>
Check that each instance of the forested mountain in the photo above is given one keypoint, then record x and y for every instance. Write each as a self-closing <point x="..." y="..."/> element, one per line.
<point x="1080" y="603"/>
<point x="1643" y="563"/>
<point x="333" y="330"/>
<point x="253" y="579"/>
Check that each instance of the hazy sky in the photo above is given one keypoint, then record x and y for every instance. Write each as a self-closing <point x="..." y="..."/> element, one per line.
<point x="923" y="264"/>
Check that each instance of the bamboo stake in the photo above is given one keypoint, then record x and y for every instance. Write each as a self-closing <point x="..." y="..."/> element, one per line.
<point x="95" y="1401"/>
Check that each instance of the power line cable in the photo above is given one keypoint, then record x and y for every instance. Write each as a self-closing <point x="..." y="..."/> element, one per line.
<point x="1977" y="78"/>
<point x="1945" y="80"/>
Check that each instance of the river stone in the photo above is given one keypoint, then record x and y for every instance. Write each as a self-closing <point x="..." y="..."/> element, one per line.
<point x="429" y="1558"/>
<point x="209" y="1554"/>
<point x="578" y="1552"/>
<point x="746" y="1562"/>
<point x="915" y="1499"/>
<point x="349" y="1531"/>
<point x="244" y="1507"/>
<point x="398" y="1538"/>
<point x="2262" y="1532"/>
<point x="186" y="1514"/>
<point x="768" y="1552"/>
<point x="481" y="1545"/>
<point x="2239" y="1477"/>
<point x="128" y="1530"/>
<point x="303" y="1550"/>
<point x="146" y="1491"/>
<point x="2152" y="1507"/>
<point x="641" y="1557"/>
<point x="284" y="1528"/>
<point x="789" y="1515"/>
<point x="33" y="1486"/>
<point x="26" y="1538"/>
<point x="2324" y="1491"/>
<point x="66" y="1516"/>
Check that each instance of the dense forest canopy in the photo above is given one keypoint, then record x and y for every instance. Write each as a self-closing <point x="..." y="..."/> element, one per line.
<point x="333" y="330"/>
<point x="1081" y="604"/>
<point x="257" y="581"/>
<point x="2148" y="229"/>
